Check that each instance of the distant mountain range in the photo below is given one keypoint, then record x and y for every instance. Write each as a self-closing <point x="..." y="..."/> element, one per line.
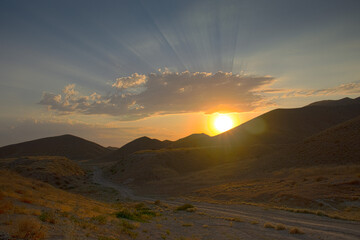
<point x="266" y="133"/>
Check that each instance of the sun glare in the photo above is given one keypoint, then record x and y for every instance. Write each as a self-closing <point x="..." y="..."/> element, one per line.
<point x="223" y="123"/>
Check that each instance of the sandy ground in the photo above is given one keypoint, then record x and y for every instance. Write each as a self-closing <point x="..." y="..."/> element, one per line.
<point x="215" y="221"/>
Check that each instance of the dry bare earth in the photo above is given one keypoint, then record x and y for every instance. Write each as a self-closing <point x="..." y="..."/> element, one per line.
<point x="224" y="221"/>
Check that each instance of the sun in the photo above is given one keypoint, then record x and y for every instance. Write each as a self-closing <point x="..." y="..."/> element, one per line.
<point x="223" y="123"/>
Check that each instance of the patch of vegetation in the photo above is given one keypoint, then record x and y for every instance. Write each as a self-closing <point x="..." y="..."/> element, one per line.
<point x="47" y="216"/>
<point x="187" y="224"/>
<point x="140" y="213"/>
<point x="184" y="207"/>
<point x="232" y="219"/>
<point x="100" y="219"/>
<point x="269" y="225"/>
<point x="29" y="229"/>
<point x="280" y="226"/>
<point x="295" y="230"/>
<point x="127" y="228"/>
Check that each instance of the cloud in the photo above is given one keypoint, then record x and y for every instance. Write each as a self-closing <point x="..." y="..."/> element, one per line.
<point x="343" y="89"/>
<point x="138" y="96"/>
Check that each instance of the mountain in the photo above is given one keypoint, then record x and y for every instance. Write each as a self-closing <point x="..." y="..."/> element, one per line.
<point x="143" y="143"/>
<point x="69" y="146"/>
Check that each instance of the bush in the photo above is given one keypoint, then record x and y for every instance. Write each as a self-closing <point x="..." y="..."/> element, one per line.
<point x="280" y="226"/>
<point x="295" y="230"/>
<point x="269" y="225"/>
<point x="184" y="207"/>
<point x="140" y="214"/>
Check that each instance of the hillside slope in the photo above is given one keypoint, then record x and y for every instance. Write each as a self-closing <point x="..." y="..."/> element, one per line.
<point x="284" y="126"/>
<point x="338" y="145"/>
<point x="57" y="171"/>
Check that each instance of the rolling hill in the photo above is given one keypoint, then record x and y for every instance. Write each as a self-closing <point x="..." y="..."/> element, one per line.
<point x="289" y="126"/>
<point x="251" y="145"/>
<point x="69" y="146"/>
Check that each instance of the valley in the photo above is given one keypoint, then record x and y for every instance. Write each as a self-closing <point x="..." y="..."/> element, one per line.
<point x="287" y="174"/>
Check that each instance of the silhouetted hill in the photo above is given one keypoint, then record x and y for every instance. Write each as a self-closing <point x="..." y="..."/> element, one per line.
<point x="193" y="140"/>
<point x="143" y="143"/>
<point x="284" y="126"/>
<point x="239" y="148"/>
<point x="68" y="146"/>
<point x="340" y="102"/>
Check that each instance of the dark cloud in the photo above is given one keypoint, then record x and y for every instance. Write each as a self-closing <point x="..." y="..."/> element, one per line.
<point x="139" y="96"/>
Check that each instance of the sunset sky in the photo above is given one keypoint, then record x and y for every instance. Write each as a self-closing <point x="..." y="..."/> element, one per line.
<point x="112" y="71"/>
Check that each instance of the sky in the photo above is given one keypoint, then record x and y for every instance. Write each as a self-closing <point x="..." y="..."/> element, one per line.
<point x="112" y="71"/>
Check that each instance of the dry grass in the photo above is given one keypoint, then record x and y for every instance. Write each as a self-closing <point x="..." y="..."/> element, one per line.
<point x="280" y="226"/>
<point x="295" y="230"/>
<point x="269" y="225"/>
<point x="5" y="206"/>
<point x="286" y="189"/>
<point x="30" y="229"/>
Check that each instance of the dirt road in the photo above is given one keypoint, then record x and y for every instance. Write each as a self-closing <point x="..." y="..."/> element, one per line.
<point x="253" y="219"/>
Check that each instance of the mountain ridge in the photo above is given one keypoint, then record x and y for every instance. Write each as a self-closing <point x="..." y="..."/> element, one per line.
<point x="66" y="145"/>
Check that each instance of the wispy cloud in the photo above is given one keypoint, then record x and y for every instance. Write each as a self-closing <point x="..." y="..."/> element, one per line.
<point x="138" y="96"/>
<point x="343" y="89"/>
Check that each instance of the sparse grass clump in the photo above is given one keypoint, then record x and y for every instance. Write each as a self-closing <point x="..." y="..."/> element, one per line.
<point x="269" y="225"/>
<point x="295" y="230"/>
<point x="30" y="229"/>
<point x="127" y="228"/>
<point x="100" y="219"/>
<point x="232" y="219"/>
<point x="280" y="226"/>
<point x="48" y="216"/>
<point x="187" y="224"/>
<point x="128" y="225"/>
<point x="139" y="213"/>
<point x="184" y="207"/>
